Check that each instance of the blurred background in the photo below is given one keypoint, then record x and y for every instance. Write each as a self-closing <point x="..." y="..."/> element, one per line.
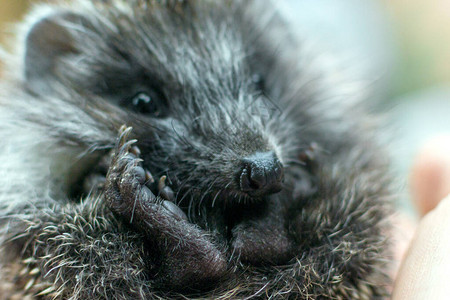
<point x="402" y="45"/>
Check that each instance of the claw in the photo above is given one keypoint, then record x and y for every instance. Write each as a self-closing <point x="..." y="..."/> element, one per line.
<point x="124" y="132"/>
<point x="126" y="147"/>
<point x="165" y="191"/>
<point x="124" y="129"/>
<point x="123" y="146"/>
<point x="135" y="150"/>
<point x="149" y="177"/>
<point x="162" y="183"/>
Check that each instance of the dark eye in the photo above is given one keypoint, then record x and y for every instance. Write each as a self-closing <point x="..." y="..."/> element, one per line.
<point x="258" y="82"/>
<point x="147" y="103"/>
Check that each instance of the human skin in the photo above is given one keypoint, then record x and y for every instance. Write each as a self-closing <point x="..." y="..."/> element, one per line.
<point x="425" y="268"/>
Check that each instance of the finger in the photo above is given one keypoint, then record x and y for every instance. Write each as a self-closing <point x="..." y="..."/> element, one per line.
<point x="430" y="176"/>
<point x="425" y="271"/>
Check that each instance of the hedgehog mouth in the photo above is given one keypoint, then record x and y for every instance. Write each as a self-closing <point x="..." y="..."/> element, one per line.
<point x="252" y="191"/>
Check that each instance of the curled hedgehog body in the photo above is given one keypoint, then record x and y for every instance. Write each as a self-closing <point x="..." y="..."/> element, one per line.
<point x="184" y="149"/>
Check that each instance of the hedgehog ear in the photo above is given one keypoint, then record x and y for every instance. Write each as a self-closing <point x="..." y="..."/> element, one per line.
<point x="48" y="40"/>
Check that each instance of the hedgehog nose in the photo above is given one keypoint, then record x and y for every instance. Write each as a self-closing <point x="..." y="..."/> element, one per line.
<point x="262" y="174"/>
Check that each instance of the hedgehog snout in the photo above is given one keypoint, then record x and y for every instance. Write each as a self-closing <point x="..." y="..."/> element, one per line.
<point x="262" y="174"/>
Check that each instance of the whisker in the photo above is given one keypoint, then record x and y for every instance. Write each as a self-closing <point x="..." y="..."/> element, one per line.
<point x="206" y="193"/>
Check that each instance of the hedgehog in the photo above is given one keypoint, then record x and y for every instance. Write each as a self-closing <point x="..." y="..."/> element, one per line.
<point x="191" y="149"/>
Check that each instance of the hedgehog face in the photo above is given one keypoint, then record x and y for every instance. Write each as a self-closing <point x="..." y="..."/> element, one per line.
<point x="197" y="88"/>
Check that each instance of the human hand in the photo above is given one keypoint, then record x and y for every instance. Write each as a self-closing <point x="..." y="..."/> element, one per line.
<point x="425" y="268"/>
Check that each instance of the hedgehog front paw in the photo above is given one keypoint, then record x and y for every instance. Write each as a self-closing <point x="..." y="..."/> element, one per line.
<point x="187" y="257"/>
<point x="126" y="188"/>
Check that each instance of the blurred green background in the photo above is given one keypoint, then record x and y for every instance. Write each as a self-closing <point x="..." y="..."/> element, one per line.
<point x="422" y="28"/>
